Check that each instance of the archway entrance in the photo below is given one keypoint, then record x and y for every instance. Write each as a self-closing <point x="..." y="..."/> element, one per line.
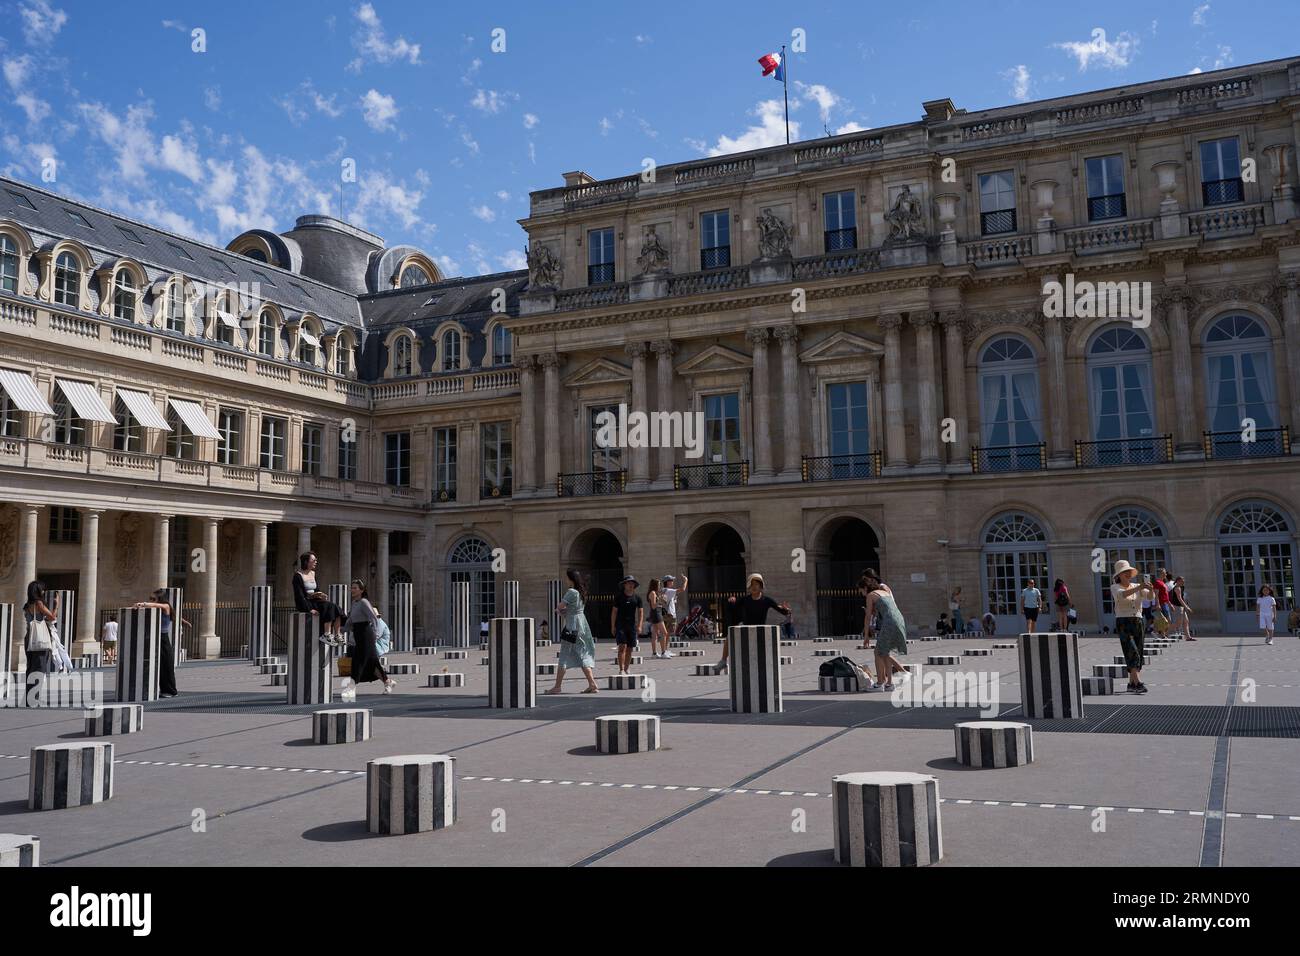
<point x="715" y="565"/>
<point x="849" y="547"/>
<point x="598" y="555"/>
<point x="470" y="562"/>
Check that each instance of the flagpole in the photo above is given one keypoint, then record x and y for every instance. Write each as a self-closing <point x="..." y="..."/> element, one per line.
<point x="785" y="81"/>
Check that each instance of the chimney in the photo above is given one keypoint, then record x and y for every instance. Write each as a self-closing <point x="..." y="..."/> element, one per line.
<point x="577" y="178"/>
<point x="937" y="111"/>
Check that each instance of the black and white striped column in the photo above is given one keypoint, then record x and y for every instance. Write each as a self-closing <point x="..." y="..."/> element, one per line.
<point x="111" y="720"/>
<point x="19" y="849"/>
<point x="512" y="664"/>
<point x="309" y="662"/>
<point x="341" y="594"/>
<point x="993" y="743"/>
<point x="139" y="644"/>
<point x="754" y="664"/>
<point x="446" y="680"/>
<point x="510" y="599"/>
<point x="401" y="619"/>
<point x="627" y="733"/>
<point x="69" y="775"/>
<point x="413" y="793"/>
<point x="341" y="726"/>
<point x="66" y="619"/>
<point x="886" y="818"/>
<point x="1049" y="675"/>
<point x="176" y="598"/>
<point x="1097" y="686"/>
<point x="6" y="638"/>
<point x="554" y="593"/>
<point x="460" y="623"/>
<point x="838" y="685"/>
<point x="259" y="621"/>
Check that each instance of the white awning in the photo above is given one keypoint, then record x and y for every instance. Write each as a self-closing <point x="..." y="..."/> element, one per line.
<point x="309" y="338"/>
<point x="86" y="401"/>
<point x="22" y="391"/>
<point x="228" y="319"/>
<point x="195" y="420"/>
<point x="142" y="409"/>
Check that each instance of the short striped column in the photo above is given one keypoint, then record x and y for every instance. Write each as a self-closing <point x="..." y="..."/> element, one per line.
<point x="446" y="680"/>
<point x="1005" y="646"/>
<point x="340" y="726"/>
<point x="455" y="655"/>
<point x="627" y="733"/>
<point x="977" y="652"/>
<point x="401" y="617"/>
<point x="309" y="662"/>
<point x="510" y="599"/>
<point x="19" y="849"/>
<point x="176" y="598"/>
<point x="886" y="819"/>
<point x="826" y="652"/>
<point x="66" y="619"/>
<point x="1110" y="670"/>
<point x="1097" y="686"/>
<point x="426" y="650"/>
<point x="139" y="643"/>
<point x="755" y="668"/>
<point x="70" y="775"/>
<point x="554" y="593"/>
<point x="625" y="682"/>
<point x="1049" y="675"/>
<point x="710" y="670"/>
<point x="993" y="743"/>
<point x="512" y="663"/>
<point x="941" y="660"/>
<point x="838" y="685"/>
<point x="413" y="793"/>
<point x="400" y="669"/>
<point x="460" y="614"/>
<point x="546" y="669"/>
<point x="259" y="621"/>
<point x="110" y="720"/>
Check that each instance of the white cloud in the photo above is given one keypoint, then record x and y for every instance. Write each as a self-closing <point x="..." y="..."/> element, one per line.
<point x="490" y="101"/>
<point x="448" y="265"/>
<point x="605" y="126"/>
<point x="512" y="261"/>
<point x="221" y="182"/>
<point x="1112" y="55"/>
<point x="380" y="197"/>
<point x="480" y="258"/>
<point x="180" y="157"/>
<point x="25" y="159"/>
<point x="532" y="152"/>
<point x="503" y="195"/>
<point x="474" y="66"/>
<point x="850" y="127"/>
<point x="642" y="39"/>
<point x="530" y="120"/>
<point x="1194" y="70"/>
<point x="16" y="71"/>
<point x="1198" y="15"/>
<point x="483" y="212"/>
<point x="647" y="128"/>
<point x="212" y="97"/>
<point x="470" y="142"/>
<point x="41" y="21"/>
<point x="825" y="98"/>
<point x="1223" y="58"/>
<point x="769" y="131"/>
<point x="1019" y="77"/>
<point x="317" y="101"/>
<point x="379" y="110"/>
<point x="374" y="43"/>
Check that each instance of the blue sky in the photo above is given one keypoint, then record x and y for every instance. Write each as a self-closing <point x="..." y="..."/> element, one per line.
<point x="449" y="136"/>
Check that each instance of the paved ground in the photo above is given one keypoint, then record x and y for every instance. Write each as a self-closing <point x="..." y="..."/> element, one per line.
<point x="1201" y="771"/>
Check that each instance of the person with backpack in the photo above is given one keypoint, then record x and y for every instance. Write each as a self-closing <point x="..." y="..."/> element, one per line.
<point x="891" y="637"/>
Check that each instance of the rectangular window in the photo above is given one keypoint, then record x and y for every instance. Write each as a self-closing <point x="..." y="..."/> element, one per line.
<point x="69" y="428"/>
<point x="997" y="203"/>
<point x="313" y="444"/>
<point x="608" y="458"/>
<point x="399" y="542"/>
<point x="722" y="428"/>
<point x="498" y="461"/>
<point x="11" y="417"/>
<point x="181" y="442"/>
<point x="444" y="468"/>
<point x="715" y="239"/>
<point x="600" y="256"/>
<point x="397" y="458"/>
<point x="841" y="223"/>
<point x="1221" y="172"/>
<point x="178" y="548"/>
<point x="127" y="433"/>
<point x="65" y="526"/>
<point x="272" y="453"/>
<point x="846" y="415"/>
<point x="266" y="335"/>
<point x="347" y="456"/>
<point x="1106" y="188"/>
<point x="230" y="424"/>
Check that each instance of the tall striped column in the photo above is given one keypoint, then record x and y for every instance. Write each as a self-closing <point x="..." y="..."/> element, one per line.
<point x="510" y="599"/>
<point x="66" y="620"/>
<point x="754" y="664"/>
<point x="1049" y="675"/>
<point x="6" y="629"/>
<point x="259" y="621"/>
<point x="309" y="662"/>
<point x="512" y="670"/>
<point x="554" y="592"/>
<point x="401" y="618"/>
<point x="886" y="818"/>
<point x="341" y="594"/>
<point x="460" y="614"/>
<point x="139" y="644"/>
<point x="176" y="598"/>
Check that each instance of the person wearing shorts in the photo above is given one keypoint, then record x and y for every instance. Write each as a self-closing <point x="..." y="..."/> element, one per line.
<point x="1031" y="599"/>
<point x="626" y="619"/>
<point x="1129" y="624"/>
<point x="670" y="592"/>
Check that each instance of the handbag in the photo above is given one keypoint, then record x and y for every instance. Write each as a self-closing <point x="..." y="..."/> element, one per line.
<point x="345" y="666"/>
<point x="39" y="637"/>
<point x="568" y="636"/>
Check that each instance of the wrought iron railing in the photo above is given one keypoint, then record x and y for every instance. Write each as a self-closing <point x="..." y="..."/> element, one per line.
<point x="997" y="222"/>
<point x="583" y="483"/>
<point x="600" y="273"/>
<point x="841" y="467"/>
<point x="1266" y="443"/>
<point x="837" y="240"/>
<point x="445" y="493"/>
<point x="503" y="489"/>
<point x="711" y="475"/>
<point x="1117" y="452"/>
<point x="715" y="257"/>
<point x="1107" y="207"/>
<point x="1219" y="192"/>
<point x="1005" y="458"/>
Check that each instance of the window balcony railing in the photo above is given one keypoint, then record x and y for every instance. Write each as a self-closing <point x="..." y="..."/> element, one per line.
<point x="444" y="494"/>
<point x="1107" y="207"/>
<point x="686" y="477"/>
<point x="1268" y="443"/>
<point x="997" y="222"/>
<point x="584" y="483"/>
<point x="715" y="257"/>
<point x="489" y="489"/>
<point x="837" y="240"/>
<point x="995" y="459"/>
<point x="600" y="273"/>
<point x="841" y="467"/>
<point x="1118" y="452"/>
<point x="1220" y="192"/>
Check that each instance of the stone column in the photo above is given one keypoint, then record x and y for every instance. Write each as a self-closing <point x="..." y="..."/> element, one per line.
<point x="955" y="358"/>
<point x="420" y="582"/>
<point x="791" y="403"/>
<point x="304" y="541"/>
<point x="344" y="575"/>
<point x="161" y="541"/>
<point x="379" y="597"/>
<point x="1187" y="415"/>
<point x="895" y="433"/>
<point x="86" y="640"/>
<point x="762" y="425"/>
<point x="28" y="519"/>
<point x="259" y="553"/>
<point x="1290" y="295"/>
<point x="526" y="441"/>
<point x="1059" y="445"/>
<point x="640" y="473"/>
<point x="211" y="643"/>
<point x="550" y="363"/>
<point x="664" y="351"/>
<point x="926" y="388"/>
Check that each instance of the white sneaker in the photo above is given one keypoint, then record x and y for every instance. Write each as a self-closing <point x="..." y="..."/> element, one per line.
<point x="389" y="685"/>
<point x="902" y="677"/>
<point x="668" y="654"/>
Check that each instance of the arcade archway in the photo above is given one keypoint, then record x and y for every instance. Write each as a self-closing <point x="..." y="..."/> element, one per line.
<point x="597" y="553"/>
<point x="844" y="550"/>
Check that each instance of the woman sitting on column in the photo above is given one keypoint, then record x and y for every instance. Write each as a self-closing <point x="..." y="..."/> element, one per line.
<point x="39" y="661"/>
<point x="166" y="649"/>
<point x="752" y="609"/>
<point x="577" y="647"/>
<point x="891" y="634"/>
<point x="365" y="658"/>
<point x="308" y="598"/>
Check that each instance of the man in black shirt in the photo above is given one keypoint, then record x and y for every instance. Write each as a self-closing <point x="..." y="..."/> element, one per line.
<point x="625" y="620"/>
<point x="752" y="608"/>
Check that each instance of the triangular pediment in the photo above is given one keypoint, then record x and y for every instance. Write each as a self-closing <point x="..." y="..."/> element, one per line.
<point x="716" y="358"/>
<point x="840" y="346"/>
<point x="599" y="372"/>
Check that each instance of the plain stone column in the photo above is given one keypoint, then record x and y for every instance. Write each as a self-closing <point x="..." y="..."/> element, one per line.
<point x="380" y="598"/>
<point x="259" y="554"/>
<point x="640" y="474"/>
<point x="757" y="339"/>
<point x="1059" y="443"/>
<point x="926" y="387"/>
<point x="792" y="403"/>
<point x="526" y="470"/>
<point x="1187" y="415"/>
<point x="304" y="541"/>
<point x="550" y="363"/>
<point x="956" y="392"/>
<point x="210" y="644"/>
<point x="1291" y="333"/>
<point x="161" y="542"/>
<point x="666" y="454"/>
<point x="895" y="433"/>
<point x="85" y="640"/>
<point x="345" y="556"/>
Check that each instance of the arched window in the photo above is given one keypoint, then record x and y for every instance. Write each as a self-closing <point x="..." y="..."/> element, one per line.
<point x="451" y="350"/>
<point x="470" y="562"/>
<point x="223" y="324"/>
<point x="255" y="253"/>
<point x="1239" y="381"/>
<point x="501" y="345"/>
<point x="402" y="355"/>
<point x="171" y="307"/>
<point x="1010" y="412"/>
<point x="1132" y="535"/>
<point x="1015" y="550"/>
<point x="123" y="297"/>
<point x="1119" y="390"/>
<point x="414" y="275"/>
<point x="1255" y="548"/>
<point x="342" y="354"/>
<point x="8" y="264"/>
<point x="266" y="333"/>
<point x="67" y="280"/>
<point x="471" y="551"/>
<point x="308" y="344"/>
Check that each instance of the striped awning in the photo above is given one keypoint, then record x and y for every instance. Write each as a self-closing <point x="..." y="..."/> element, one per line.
<point x="195" y="420"/>
<point x="142" y="409"/>
<point x="228" y="319"/>
<point x="309" y="338"/>
<point x="22" y="391"/>
<point x="85" y="400"/>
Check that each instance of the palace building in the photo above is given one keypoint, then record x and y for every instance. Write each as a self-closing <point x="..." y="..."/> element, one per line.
<point x="859" y="322"/>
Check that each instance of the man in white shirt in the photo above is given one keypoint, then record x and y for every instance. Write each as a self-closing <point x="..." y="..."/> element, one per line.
<point x="109" y="639"/>
<point x="670" y="592"/>
<point x="1031" y="599"/>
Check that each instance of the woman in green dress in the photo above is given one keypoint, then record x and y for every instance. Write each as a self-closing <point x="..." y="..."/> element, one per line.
<point x="891" y="636"/>
<point x="580" y="652"/>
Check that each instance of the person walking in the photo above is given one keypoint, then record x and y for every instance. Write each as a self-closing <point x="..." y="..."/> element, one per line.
<point x="1061" y="599"/>
<point x="891" y="635"/>
<point x="166" y="643"/>
<point x="658" y="630"/>
<point x="308" y="598"/>
<point x="1128" y="596"/>
<point x="671" y="591"/>
<point x="108" y="636"/>
<point x="1180" y="588"/>
<point x="625" y="619"/>
<point x="39" y="648"/>
<point x="1267" y="607"/>
<point x="752" y="609"/>
<point x="364" y="623"/>
<point x="954" y="608"/>
<point x="1031" y="600"/>
<point x="577" y="648"/>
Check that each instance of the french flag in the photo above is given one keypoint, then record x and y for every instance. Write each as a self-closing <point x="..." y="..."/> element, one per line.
<point x="773" y="66"/>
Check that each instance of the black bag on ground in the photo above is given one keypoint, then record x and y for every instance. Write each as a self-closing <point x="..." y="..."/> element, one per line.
<point x="838" y="667"/>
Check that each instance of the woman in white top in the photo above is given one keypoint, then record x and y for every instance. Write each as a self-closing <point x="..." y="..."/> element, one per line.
<point x="1129" y="624"/>
<point x="1267" y="606"/>
<point x="954" y="607"/>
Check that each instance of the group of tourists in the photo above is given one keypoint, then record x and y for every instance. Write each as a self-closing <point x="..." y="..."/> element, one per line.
<point x="367" y="636"/>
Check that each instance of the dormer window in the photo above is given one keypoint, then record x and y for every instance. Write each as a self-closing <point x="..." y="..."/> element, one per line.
<point x="450" y="350"/>
<point x="67" y="280"/>
<point x="123" y="297"/>
<point x="402" y="361"/>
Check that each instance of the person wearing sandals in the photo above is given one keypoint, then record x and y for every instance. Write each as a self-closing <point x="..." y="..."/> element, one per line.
<point x="581" y="650"/>
<point x="658" y="626"/>
<point x="891" y="635"/>
<point x="42" y="661"/>
<point x="365" y="657"/>
<point x="1129" y="622"/>
<point x="307" y="597"/>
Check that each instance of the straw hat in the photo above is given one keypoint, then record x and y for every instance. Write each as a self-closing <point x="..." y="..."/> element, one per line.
<point x="755" y="577"/>
<point x="1120" y="567"/>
